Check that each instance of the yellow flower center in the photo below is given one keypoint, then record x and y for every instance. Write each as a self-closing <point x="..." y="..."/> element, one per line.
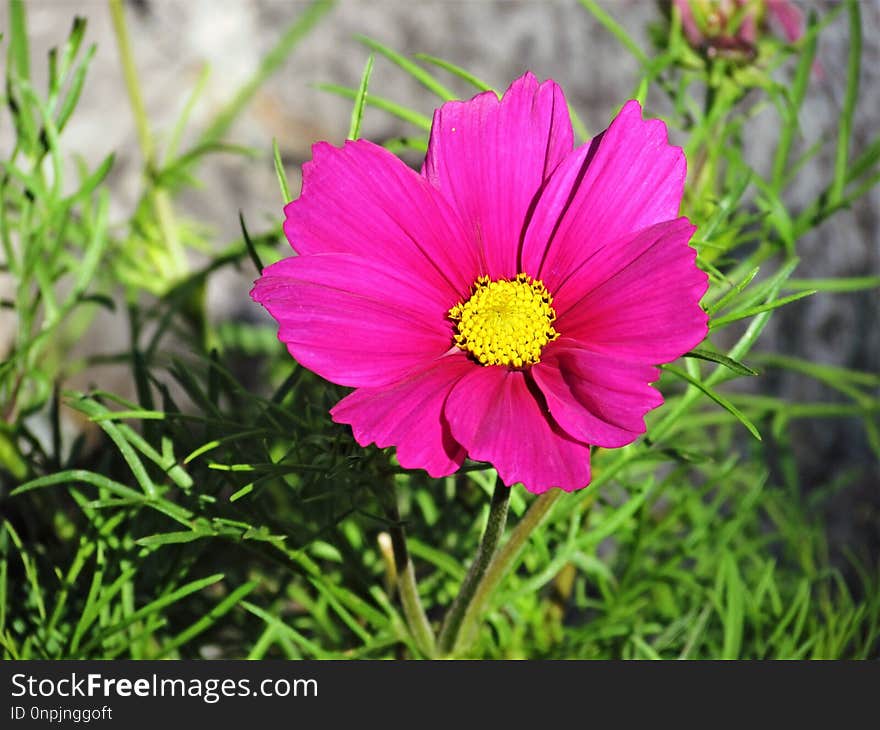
<point x="505" y="322"/>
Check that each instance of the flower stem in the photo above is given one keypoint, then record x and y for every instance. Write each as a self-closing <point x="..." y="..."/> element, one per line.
<point x="160" y="199"/>
<point x="488" y="545"/>
<point x="503" y="562"/>
<point x="416" y="620"/>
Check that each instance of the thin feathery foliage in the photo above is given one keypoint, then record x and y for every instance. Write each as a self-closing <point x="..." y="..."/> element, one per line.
<point x="221" y="513"/>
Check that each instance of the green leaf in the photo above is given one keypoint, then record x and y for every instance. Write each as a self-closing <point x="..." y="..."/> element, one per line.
<point x="71" y="47"/>
<point x="399" y="145"/>
<point x="357" y="111"/>
<point x="178" y="168"/>
<point x="401" y="112"/>
<point x="243" y="492"/>
<point x="733" y="291"/>
<point x="18" y="56"/>
<point x="796" y="100"/>
<point x="30" y="569"/>
<point x="76" y="86"/>
<point x="837" y="285"/>
<point x="280" y="627"/>
<point x="728" y="362"/>
<point x="865" y="161"/>
<point x="851" y="97"/>
<point x="251" y="249"/>
<point x="79" y="475"/>
<point x="153" y="608"/>
<point x="175" y="538"/>
<point x="90" y="183"/>
<point x="11" y="459"/>
<point x="616" y="30"/>
<point x="414" y="70"/>
<point x="455" y="71"/>
<point x="279" y="172"/>
<point x="344" y="614"/>
<point x="726" y="205"/>
<point x="717" y="397"/>
<point x="825" y="373"/>
<point x="99" y="597"/>
<point x="733" y="616"/>
<point x="182" y="121"/>
<point x="209" y="619"/>
<point x="92" y="409"/>
<point x="752" y="311"/>
<point x="439" y="559"/>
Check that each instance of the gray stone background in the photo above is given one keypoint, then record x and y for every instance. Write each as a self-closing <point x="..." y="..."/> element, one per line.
<point x="497" y="40"/>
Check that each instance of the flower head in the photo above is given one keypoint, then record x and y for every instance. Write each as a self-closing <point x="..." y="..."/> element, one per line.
<point x="731" y="27"/>
<point x="508" y="304"/>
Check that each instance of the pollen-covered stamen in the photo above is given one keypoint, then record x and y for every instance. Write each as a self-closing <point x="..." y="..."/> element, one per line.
<point x="505" y="322"/>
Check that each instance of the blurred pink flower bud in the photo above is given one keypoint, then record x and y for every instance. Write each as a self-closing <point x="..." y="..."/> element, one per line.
<point x="707" y="24"/>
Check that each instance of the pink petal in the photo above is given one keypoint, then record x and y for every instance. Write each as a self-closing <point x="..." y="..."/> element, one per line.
<point x="361" y="199"/>
<point x="689" y="23"/>
<point x="596" y="398"/>
<point x="626" y="179"/>
<point x="409" y="415"/>
<point x="354" y="321"/>
<point x="640" y="299"/>
<point x="747" y="33"/>
<point x="489" y="158"/>
<point x="789" y="16"/>
<point x="496" y="415"/>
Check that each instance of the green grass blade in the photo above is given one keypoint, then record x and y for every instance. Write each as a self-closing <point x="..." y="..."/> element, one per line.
<point x="79" y="476"/>
<point x="752" y="311"/>
<point x="617" y="30"/>
<point x="733" y="291"/>
<point x="399" y="145"/>
<point x="357" y="111"/>
<point x="182" y="122"/>
<point x="836" y="286"/>
<point x="175" y="538"/>
<point x="717" y="397"/>
<point x="153" y="608"/>
<point x="282" y="178"/>
<point x="344" y="614"/>
<point x="99" y="598"/>
<point x="456" y="71"/>
<point x="76" y="86"/>
<point x="84" y="551"/>
<point x="865" y="161"/>
<point x="92" y="408"/>
<point x="393" y="108"/>
<point x="30" y="570"/>
<point x="208" y="620"/>
<point x="728" y="362"/>
<point x="733" y="616"/>
<point x="796" y="98"/>
<point x="310" y="647"/>
<point x="851" y="97"/>
<point x="18" y="53"/>
<point x="413" y="69"/>
<point x="695" y="634"/>
<point x="251" y="249"/>
<point x="827" y="373"/>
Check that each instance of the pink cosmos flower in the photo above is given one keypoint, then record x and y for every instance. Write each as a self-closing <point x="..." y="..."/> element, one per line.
<point x="508" y="304"/>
